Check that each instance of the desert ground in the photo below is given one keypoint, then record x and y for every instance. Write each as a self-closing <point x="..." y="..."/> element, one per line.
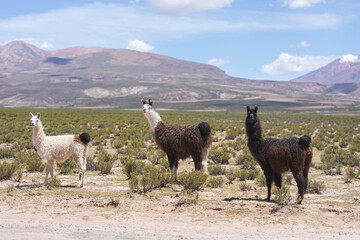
<point x="29" y="210"/>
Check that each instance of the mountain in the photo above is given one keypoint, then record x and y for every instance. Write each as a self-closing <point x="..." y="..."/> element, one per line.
<point x="343" y="70"/>
<point x="95" y="77"/>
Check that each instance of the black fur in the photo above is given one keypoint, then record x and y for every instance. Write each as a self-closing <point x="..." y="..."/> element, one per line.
<point x="305" y="141"/>
<point x="85" y="138"/>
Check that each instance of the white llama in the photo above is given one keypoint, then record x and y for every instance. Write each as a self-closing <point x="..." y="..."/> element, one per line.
<point x="59" y="148"/>
<point x="180" y="142"/>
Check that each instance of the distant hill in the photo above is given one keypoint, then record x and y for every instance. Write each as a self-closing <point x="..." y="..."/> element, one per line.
<point x="342" y="70"/>
<point x="95" y="77"/>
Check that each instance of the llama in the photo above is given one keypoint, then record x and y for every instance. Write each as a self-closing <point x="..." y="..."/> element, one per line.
<point x="59" y="148"/>
<point x="276" y="156"/>
<point x="180" y="142"/>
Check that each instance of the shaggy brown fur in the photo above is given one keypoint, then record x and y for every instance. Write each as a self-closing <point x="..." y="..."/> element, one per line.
<point x="181" y="142"/>
<point x="276" y="156"/>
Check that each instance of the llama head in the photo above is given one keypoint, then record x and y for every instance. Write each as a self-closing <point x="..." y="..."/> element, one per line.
<point x="147" y="106"/>
<point x="251" y="115"/>
<point x="35" y="119"/>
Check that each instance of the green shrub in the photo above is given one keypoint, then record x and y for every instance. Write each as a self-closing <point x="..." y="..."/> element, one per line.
<point x="333" y="157"/>
<point x="118" y="143"/>
<point x="192" y="180"/>
<point x="17" y="175"/>
<point x="216" y="169"/>
<point x="130" y="165"/>
<point x="219" y="156"/>
<point x="216" y="182"/>
<point x="350" y="174"/>
<point x="231" y="175"/>
<point x="247" y="174"/>
<point x="245" y="187"/>
<point x="355" y="145"/>
<point x="151" y="178"/>
<point x="7" y="170"/>
<point x="317" y="143"/>
<point x="53" y="183"/>
<point x="282" y="195"/>
<point x="114" y="202"/>
<point x="6" y="153"/>
<point x="90" y="164"/>
<point x="246" y="160"/>
<point x="187" y="197"/>
<point x="32" y="162"/>
<point x="315" y="186"/>
<point x="105" y="162"/>
<point x="67" y="166"/>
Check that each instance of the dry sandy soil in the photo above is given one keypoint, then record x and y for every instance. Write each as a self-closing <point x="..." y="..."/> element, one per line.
<point x="28" y="210"/>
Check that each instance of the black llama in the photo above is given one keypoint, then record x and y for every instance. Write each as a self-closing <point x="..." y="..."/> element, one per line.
<point x="276" y="156"/>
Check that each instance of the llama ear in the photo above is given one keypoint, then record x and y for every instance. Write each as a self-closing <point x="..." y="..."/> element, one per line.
<point x="31" y="114"/>
<point x="150" y="102"/>
<point x="143" y="101"/>
<point x="247" y="108"/>
<point x="38" y="115"/>
<point x="256" y="108"/>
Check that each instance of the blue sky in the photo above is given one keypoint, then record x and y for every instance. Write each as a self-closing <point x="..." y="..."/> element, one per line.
<point x="263" y="39"/>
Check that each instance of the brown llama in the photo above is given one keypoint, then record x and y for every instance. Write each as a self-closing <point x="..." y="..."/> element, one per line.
<point x="180" y="142"/>
<point x="276" y="156"/>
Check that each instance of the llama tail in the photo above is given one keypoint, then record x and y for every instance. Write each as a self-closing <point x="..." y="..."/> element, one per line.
<point x="85" y="138"/>
<point x="305" y="141"/>
<point x="204" y="129"/>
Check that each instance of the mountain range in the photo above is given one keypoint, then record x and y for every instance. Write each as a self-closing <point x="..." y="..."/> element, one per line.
<point x="95" y="77"/>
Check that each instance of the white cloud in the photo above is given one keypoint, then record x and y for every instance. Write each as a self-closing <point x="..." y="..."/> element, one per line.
<point x="112" y="25"/>
<point x="217" y="62"/>
<point x="287" y="63"/>
<point x="139" y="46"/>
<point x="304" y="44"/>
<point x="293" y="4"/>
<point x="187" y="6"/>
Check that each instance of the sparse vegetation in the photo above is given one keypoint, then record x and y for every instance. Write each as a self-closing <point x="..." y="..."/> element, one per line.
<point x="193" y="180"/>
<point x="53" y="183"/>
<point x="7" y="170"/>
<point x="216" y="182"/>
<point x="316" y="186"/>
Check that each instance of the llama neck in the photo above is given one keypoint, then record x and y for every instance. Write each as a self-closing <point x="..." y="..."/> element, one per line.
<point x="254" y="131"/>
<point x="38" y="134"/>
<point x="154" y="119"/>
<point x="254" y="134"/>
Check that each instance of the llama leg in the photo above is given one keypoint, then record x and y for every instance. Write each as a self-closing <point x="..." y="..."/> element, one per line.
<point x="269" y="175"/>
<point x="300" y="181"/>
<point x="306" y="169"/>
<point x="172" y="167"/>
<point x="51" y="168"/>
<point x="47" y="169"/>
<point x="204" y="160"/>
<point x="197" y="162"/>
<point x="80" y="165"/>
<point x="176" y="164"/>
<point x="277" y="178"/>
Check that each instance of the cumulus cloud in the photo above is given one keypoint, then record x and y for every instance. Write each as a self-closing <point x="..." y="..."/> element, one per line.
<point x="139" y="46"/>
<point x="287" y="63"/>
<point x="293" y="4"/>
<point x="217" y="62"/>
<point x="304" y="44"/>
<point x="187" y="6"/>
